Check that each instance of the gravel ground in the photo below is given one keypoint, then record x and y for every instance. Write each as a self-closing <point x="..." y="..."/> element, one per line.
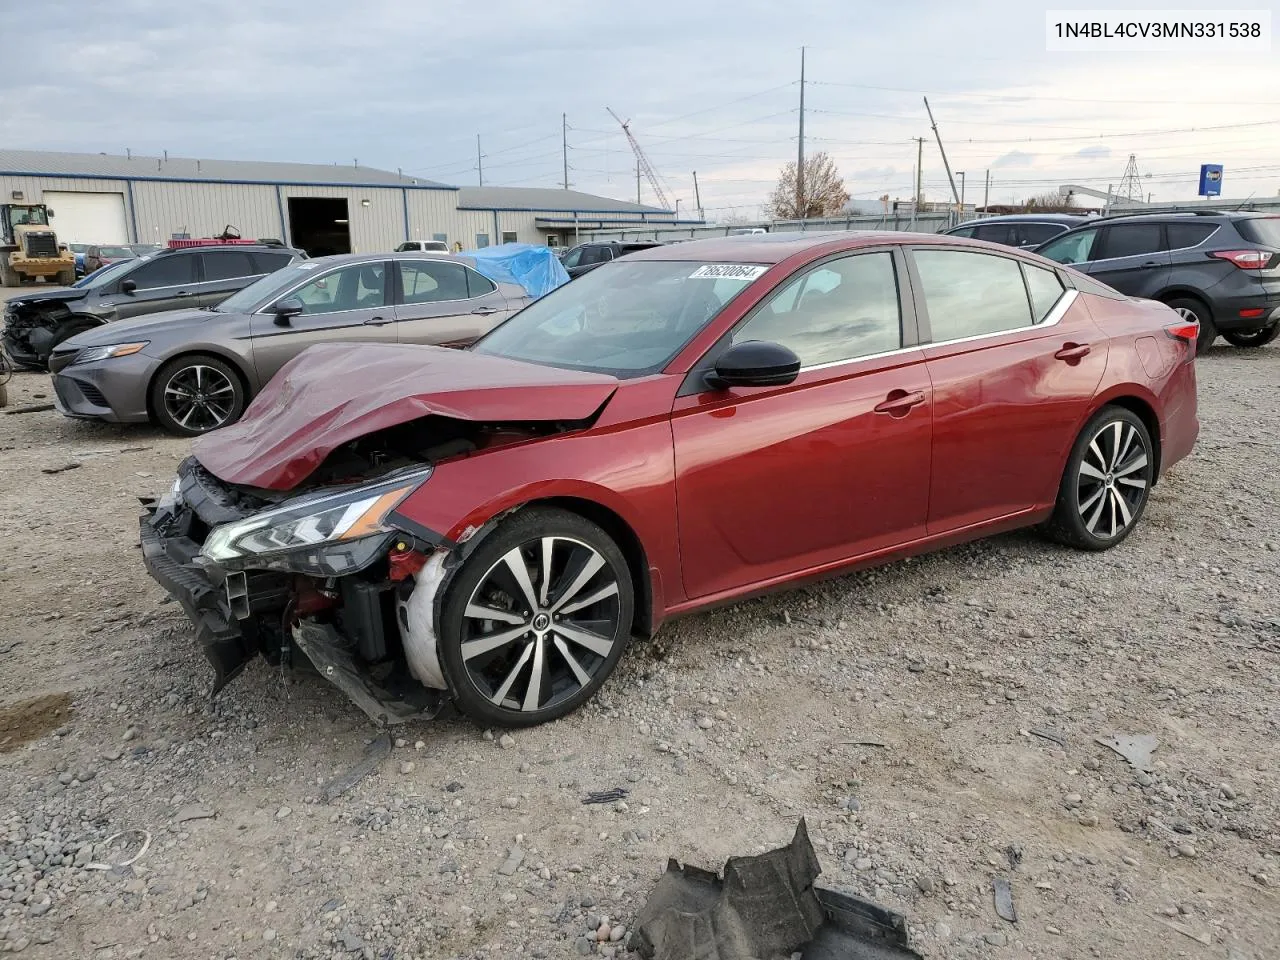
<point x="725" y="729"/>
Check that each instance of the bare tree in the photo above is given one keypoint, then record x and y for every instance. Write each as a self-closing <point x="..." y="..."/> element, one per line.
<point x="824" y="192"/>
<point x="1051" y="202"/>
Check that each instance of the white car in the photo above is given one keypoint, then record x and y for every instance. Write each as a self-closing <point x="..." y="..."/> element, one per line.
<point x="423" y="246"/>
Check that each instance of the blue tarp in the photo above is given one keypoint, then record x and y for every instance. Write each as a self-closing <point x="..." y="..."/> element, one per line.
<point x="535" y="268"/>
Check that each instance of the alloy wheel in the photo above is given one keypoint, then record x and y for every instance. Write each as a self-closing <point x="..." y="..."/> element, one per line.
<point x="199" y="397"/>
<point x="540" y="624"/>
<point x="1186" y="313"/>
<point x="1113" y="479"/>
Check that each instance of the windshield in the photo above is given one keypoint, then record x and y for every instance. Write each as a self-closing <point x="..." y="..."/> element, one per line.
<point x="626" y="318"/>
<point x="77" y="247"/>
<point x="107" y="274"/>
<point x="23" y="216"/>
<point x="1264" y="230"/>
<point x="266" y="289"/>
<point x="115" y="253"/>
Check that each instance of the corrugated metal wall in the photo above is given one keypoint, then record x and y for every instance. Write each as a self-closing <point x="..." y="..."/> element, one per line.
<point x="203" y="209"/>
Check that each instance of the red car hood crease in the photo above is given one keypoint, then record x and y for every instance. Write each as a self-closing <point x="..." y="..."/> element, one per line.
<point x="334" y="393"/>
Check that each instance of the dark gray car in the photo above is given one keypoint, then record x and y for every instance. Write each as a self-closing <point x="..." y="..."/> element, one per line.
<point x="193" y="371"/>
<point x="37" y="322"/>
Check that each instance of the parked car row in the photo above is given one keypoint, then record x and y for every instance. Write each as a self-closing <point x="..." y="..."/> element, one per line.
<point x="492" y="525"/>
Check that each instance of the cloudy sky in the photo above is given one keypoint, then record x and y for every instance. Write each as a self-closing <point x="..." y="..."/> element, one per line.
<point x="708" y="86"/>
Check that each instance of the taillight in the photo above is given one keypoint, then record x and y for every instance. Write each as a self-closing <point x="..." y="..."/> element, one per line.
<point x="1185" y="330"/>
<point x="1245" y="259"/>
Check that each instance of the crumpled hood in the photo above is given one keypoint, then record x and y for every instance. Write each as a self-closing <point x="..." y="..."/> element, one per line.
<point x="49" y="296"/>
<point x="138" y="328"/>
<point x="333" y="393"/>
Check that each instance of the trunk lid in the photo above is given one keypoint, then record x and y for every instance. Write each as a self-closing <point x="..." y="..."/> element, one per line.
<point x="334" y="393"/>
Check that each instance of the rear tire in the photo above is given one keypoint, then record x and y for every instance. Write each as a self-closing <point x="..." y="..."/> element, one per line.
<point x="66" y="278"/>
<point x="1191" y="308"/>
<point x="8" y="276"/>
<point x="563" y="601"/>
<point x="1106" y="483"/>
<point x="197" y="393"/>
<point x="1259" y="338"/>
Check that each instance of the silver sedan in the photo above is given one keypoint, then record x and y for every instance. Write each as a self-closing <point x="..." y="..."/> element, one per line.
<point x="193" y="371"/>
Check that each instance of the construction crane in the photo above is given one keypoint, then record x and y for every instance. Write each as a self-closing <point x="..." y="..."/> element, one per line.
<point x="643" y="162"/>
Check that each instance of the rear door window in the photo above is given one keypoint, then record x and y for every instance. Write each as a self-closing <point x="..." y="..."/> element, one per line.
<point x="478" y="286"/>
<point x="431" y="281"/>
<point x="1034" y="234"/>
<point x="164" y="272"/>
<point x="961" y="232"/>
<point x="1131" y="240"/>
<point x="994" y="233"/>
<point x="1184" y="235"/>
<point x="227" y="265"/>
<point x="971" y="294"/>
<point x="271" y="262"/>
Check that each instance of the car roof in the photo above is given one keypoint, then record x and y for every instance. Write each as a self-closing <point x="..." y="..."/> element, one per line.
<point x="776" y="247"/>
<point x="1072" y="218"/>
<point x="1176" y="215"/>
<point x="201" y="248"/>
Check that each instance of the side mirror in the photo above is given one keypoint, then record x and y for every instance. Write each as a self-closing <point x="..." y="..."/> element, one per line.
<point x="287" y="308"/>
<point x="754" y="363"/>
<point x="128" y="286"/>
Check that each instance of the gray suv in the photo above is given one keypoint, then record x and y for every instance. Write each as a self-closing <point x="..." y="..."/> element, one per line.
<point x="197" y="276"/>
<point x="193" y="371"/>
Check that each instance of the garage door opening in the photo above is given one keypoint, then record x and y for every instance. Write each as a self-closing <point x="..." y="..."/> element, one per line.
<point x="319" y="225"/>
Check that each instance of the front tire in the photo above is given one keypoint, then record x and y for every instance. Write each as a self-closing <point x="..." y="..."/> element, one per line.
<point x="1106" y="482"/>
<point x="1189" y="308"/>
<point x="195" y="394"/>
<point x="536" y="619"/>
<point x="1259" y="338"/>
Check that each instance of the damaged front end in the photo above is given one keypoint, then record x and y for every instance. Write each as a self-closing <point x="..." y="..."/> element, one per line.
<point x="324" y="573"/>
<point x="31" y="329"/>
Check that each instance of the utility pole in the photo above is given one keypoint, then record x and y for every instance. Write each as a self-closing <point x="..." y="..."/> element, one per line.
<point x="800" y="203"/>
<point x="479" y="161"/>
<point x="697" y="197"/>
<point x="986" y="192"/>
<point x="564" y="146"/>
<point x="942" y="150"/>
<point x="919" y="172"/>
<point x="960" y="174"/>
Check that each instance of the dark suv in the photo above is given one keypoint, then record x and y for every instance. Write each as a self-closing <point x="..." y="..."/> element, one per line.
<point x="1019" y="229"/>
<point x="1221" y="269"/>
<point x="585" y="257"/>
<point x="194" y="276"/>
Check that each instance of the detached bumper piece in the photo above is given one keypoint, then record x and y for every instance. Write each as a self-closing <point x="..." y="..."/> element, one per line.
<point x="329" y="651"/>
<point x="766" y="906"/>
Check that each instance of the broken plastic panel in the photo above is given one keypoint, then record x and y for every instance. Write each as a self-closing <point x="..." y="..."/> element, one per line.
<point x="765" y="906"/>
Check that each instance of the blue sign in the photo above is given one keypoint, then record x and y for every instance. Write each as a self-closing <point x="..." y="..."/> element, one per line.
<point x="1210" y="179"/>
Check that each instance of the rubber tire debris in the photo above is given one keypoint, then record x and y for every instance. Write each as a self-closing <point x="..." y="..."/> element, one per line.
<point x="1003" y="891"/>
<point x="1051" y="735"/>
<point x="73" y="465"/>
<point x="194" y="811"/>
<point x="379" y="749"/>
<point x="607" y="796"/>
<point x="29" y="408"/>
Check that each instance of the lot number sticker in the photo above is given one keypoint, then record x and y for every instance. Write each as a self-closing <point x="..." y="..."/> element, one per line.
<point x="727" y="271"/>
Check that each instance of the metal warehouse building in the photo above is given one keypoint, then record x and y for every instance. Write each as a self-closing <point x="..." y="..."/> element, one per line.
<point x="99" y="198"/>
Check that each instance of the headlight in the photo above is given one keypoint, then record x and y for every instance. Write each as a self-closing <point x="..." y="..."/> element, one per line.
<point x="327" y="535"/>
<point x="89" y="354"/>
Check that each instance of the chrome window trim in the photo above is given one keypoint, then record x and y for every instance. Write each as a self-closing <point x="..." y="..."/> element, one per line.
<point x="870" y="356"/>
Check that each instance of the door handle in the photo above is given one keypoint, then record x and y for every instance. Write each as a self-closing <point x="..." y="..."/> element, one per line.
<point x="485" y="311"/>
<point x="182" y="293"/>
<point x="899" y="403"/>
<point x="1072" y="352"/>
<point x="376" y="322"/>
<point x="1149" y="265"/>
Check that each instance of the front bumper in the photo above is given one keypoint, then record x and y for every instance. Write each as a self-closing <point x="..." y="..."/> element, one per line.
<point x="114" y="390"/>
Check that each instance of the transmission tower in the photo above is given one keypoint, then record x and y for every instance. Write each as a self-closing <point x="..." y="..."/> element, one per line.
<point x="642" y="161"/>
<point x="1131" y="183"/>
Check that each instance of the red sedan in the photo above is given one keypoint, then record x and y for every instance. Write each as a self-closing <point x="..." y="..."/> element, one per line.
<point x="685" y="426"/>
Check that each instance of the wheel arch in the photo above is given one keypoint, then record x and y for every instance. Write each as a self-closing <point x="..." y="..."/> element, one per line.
<point x="201" y="351"/>
<point x="1185" y="293"/>
<point x="644" y="577"/>
<point x="1145" y="411"/>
